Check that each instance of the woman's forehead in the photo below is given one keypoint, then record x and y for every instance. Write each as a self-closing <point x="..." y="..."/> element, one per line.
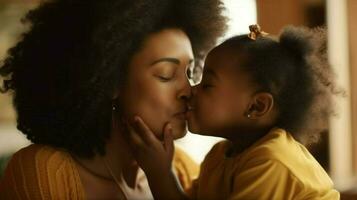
<point x="169" y="43"/>
<point x="167" y="38"/>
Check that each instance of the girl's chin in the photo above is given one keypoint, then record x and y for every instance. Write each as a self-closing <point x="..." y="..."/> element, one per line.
<point x="193" y="128"/>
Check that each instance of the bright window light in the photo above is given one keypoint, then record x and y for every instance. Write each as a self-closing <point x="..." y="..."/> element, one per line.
<point x="241" y="13"/>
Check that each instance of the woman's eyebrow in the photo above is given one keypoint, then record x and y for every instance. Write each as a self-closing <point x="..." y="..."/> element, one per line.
<point x="171" y="60"/>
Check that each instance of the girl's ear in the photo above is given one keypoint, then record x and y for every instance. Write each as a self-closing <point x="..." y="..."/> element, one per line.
<point x="262" y="103"/>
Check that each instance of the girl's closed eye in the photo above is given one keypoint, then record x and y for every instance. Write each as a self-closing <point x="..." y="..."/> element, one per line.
<point x="206" y="85"/>
<point x="209" y="78"/>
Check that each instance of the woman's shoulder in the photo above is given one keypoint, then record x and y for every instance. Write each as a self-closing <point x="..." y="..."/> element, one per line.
<point x="39" y="155"/>
<point x="40" y="171"/>
<point x="186" y="168"/>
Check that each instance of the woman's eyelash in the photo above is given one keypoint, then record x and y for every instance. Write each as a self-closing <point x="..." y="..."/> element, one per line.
<point x="164" y="79"/>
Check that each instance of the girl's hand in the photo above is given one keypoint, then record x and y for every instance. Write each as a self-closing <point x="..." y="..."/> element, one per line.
<point x="155" y="157"/>
<point x="152" y="155"/>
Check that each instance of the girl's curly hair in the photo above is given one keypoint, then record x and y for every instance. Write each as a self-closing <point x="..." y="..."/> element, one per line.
<point x="64" y="70"/>
<point x="294" y="69"/>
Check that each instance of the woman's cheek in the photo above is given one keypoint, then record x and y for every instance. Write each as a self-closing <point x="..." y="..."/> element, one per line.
<point x="153" y="118"/>
<point x="153" y="108"/>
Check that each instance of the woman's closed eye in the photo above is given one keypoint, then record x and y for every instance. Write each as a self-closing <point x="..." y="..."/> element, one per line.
<point x="164" y="78"/>
<point x="164" y="72"/>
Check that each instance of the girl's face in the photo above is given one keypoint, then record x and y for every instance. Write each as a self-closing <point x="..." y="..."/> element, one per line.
<point x="157" y="87"/>
<point x="220" y="103"/>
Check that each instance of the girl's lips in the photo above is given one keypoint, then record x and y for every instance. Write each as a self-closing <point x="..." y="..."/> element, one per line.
<point x="189" y="113"/>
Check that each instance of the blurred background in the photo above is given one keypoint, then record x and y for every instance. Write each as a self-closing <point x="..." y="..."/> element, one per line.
<point x="337" y="150"/>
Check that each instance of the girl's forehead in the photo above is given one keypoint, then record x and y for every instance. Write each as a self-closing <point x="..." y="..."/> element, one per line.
<point x="222" y="56"/>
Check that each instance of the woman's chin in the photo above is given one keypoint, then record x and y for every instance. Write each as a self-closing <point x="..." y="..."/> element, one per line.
<point x="179" y="131"/>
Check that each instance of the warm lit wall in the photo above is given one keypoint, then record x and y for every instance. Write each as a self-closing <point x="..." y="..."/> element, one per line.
<point x="274" y="14"/>
<point x="11" y="13"/>
<point x="352" y="29"/>
<point x="340" y="126"/>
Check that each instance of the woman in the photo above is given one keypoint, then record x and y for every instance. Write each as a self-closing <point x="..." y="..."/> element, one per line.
<point x="81" y="73"/>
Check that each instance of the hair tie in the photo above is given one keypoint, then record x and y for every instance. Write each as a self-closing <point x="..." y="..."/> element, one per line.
<point x="255" y="32"/>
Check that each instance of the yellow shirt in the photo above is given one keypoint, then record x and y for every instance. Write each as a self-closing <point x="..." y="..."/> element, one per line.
<point x="275" y="167"/>
<point x="44" y="172"/>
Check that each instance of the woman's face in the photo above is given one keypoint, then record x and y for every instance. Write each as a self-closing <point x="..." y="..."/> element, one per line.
<point x="157" y="87"/>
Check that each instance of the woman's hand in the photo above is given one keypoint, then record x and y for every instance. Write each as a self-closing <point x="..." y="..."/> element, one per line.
<point x="153" y="156"/>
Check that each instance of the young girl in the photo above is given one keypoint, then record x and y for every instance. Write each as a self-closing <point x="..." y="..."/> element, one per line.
<point x="267" y="97"/>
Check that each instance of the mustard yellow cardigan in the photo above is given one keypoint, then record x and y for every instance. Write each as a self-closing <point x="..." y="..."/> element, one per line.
<point x="44" y="172"/>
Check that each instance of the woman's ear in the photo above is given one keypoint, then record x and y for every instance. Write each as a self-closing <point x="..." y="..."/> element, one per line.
<point x="261" y="104"/>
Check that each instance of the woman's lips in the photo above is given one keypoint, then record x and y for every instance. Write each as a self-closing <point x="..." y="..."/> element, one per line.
<point x="181" y="115"/>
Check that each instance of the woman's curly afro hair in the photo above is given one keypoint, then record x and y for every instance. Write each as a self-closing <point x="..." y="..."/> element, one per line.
<point x="64" y="70"/>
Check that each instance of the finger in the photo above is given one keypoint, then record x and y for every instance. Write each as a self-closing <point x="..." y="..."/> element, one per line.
<point x="133" y="138"/>
<point x="169" y="141"/>
<point x="144" y="131"/>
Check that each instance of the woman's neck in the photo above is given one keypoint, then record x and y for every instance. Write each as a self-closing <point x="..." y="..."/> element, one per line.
<point x="118" y="157"/>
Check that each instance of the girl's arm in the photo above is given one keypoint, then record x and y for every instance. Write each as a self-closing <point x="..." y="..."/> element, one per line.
<point x="155" y="158"/>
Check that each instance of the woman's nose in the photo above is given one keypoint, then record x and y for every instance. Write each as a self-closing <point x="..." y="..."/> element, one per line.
<point x="185" y="90"/>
